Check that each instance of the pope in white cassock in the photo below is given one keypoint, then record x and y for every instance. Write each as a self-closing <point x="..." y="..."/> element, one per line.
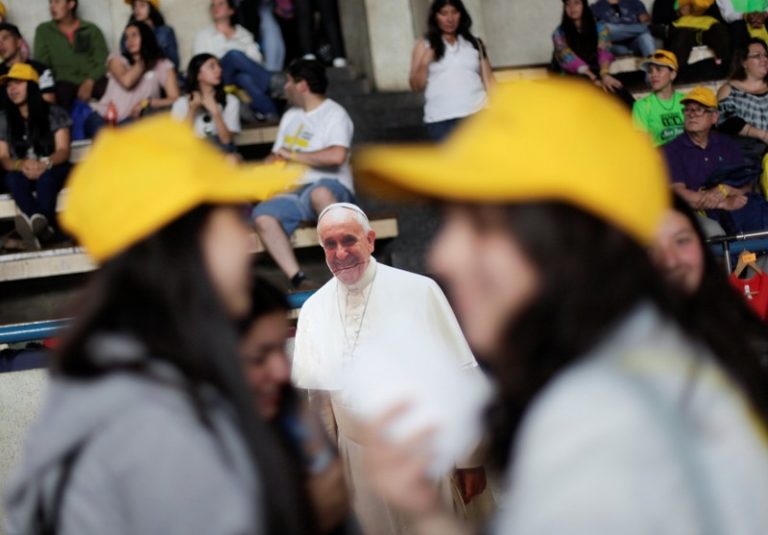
<point x="370" y="309"/>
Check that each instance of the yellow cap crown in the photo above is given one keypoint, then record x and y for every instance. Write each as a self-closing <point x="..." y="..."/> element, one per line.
<point x="21" y="71"/>
<point x="702" y="95"/>
<point x="137" y="179"/>
<point x="550" y="140"/>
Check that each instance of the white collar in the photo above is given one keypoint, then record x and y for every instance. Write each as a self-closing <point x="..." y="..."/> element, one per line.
<point x="365" y="280"/>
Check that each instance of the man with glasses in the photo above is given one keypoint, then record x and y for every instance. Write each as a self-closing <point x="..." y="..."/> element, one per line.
<point x="661" y="112"/>
<point x="699" y="153"/>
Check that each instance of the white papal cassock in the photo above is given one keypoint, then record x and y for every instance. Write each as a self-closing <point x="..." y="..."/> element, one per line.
<point x="389" y="311"/>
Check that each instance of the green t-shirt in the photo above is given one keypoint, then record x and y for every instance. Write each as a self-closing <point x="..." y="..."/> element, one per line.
<point x="662" y="119"/>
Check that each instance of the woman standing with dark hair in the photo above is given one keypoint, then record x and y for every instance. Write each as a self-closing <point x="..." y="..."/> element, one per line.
<point x="137" y="80"/>
<point x="614" y="412"/>
<point x="582" y="48"/>
<point x="451" y="66"/>
<point x="149" y="426"/>
<point x="34" y="150"/>
<point x="214" y="114"/>
<point x="148" y="12"/>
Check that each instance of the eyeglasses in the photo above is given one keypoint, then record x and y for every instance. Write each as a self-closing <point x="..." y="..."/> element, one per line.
<point x="757" y="56"/>
<point x="697" y="112"/>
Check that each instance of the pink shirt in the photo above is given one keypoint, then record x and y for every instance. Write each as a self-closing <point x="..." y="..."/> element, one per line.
<point x="148" y="87"/>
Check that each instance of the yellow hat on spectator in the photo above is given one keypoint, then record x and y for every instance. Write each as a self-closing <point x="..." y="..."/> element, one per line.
<point x="21" y="71"/>
<point x="136" y="180"/>
<point x="155" y="3"/>
<point x="3" y="11"/>
<point x="554" y="140"/>
<point x="701" y="95"/>
<point x="663" y="58"/>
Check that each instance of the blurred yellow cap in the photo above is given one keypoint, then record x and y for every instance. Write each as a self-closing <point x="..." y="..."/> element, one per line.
<point x="155" y="3"/>
<point x="3" y="11"/>
<point x="137" y="179"/>
<point x="702" y="95"/>
<point x="21" y="71"/>
<point x="553" y="140"/>
<point x="664" y="58"/>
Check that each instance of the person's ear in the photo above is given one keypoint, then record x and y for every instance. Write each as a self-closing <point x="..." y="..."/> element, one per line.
<point x="673" y="75"/>
<point x="371" y="238"/>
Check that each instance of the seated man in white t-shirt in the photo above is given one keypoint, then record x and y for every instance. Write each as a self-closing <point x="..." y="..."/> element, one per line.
<point x="316" y="132"/>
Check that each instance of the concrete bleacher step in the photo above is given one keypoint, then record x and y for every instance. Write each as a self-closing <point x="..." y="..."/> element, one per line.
<point x="73" y="260"/>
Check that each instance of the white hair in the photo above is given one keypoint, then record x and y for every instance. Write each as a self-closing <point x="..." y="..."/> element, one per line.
<point x="341" y="211"/>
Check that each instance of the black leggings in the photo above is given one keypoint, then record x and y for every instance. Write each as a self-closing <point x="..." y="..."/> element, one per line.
<point x="682" y="41"/>
<point x="329" y="18"/>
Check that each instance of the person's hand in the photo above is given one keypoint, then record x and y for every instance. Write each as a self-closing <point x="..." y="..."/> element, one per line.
<point x="610" y="84"/>
<point x="195" y="100"/>
<point x="471" y="482"/>
<point x="33" y="169"/>
<point x="732" y="203"/>
<point x="285" y="154"/>
<point x="85" y="91"/>
<point x="210" y="104"/>
<point x="328" y="494"/>
<point x="398" y="472"/>
<point x="137" y="110"/>
<point x="709" y="200"/>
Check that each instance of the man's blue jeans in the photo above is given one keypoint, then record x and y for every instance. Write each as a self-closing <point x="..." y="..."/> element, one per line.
<point x="642" y="42"/>
<point x="272" y="43"/>
<point x="242" y="71"/>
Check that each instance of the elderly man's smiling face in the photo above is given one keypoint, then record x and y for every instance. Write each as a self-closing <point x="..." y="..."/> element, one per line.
<point x="347" y="245"/>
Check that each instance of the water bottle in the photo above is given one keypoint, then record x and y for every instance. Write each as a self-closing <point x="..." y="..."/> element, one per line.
<point x="111" y="116"/>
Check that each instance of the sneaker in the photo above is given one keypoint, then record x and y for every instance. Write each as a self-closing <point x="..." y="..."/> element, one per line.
<point x="39" y="224"/>
<point x="339" y="63"/>
<point x="24" y="227"/>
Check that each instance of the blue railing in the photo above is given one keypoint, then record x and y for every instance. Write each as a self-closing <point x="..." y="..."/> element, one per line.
<point x="40" y="330"/>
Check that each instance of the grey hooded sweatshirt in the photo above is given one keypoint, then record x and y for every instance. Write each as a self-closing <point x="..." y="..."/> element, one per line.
<point x="145" y="464"/>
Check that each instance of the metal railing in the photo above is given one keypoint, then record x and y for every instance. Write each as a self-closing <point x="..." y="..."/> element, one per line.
<point x="40" y="330"/>
<point x="725" y="242"/>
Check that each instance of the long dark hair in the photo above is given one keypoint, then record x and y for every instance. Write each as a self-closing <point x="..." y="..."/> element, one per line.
<point x="584" y="42"/>
<point x="33" y="132"/>
<point x="154" y="15"/>
<point x="594" y="276"/>
<point x="193" y="71"/>
<point x="739" y="72"/>
<point x="159" y="292"/>
<point x="435" y="35"/>
<point x="150" y="51"/>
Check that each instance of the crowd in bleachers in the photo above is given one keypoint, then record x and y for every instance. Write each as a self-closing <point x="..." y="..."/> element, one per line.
<point x="77" y="77"/>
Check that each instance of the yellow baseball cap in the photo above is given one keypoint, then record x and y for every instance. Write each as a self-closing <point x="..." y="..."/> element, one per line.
<point x="21" y="71"/>
<point x="663" y="58"/>
<point x="3" y="10"/>
<point x="702" y="95"/>
<point x="558" y="140"/>
<point x="155" y="3"/>
<point x="137" y="179"/>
